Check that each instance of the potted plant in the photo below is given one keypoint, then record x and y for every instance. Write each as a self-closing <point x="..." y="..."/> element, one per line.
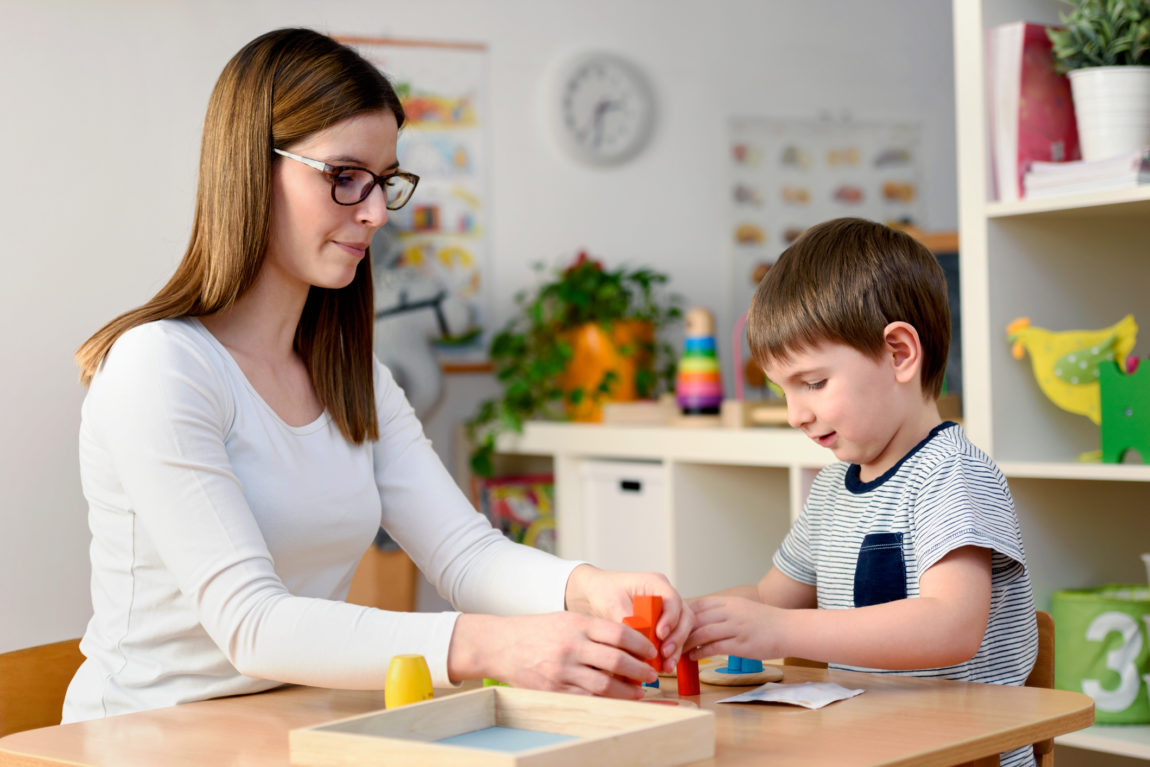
<point x="1104" y="48"/>
<point x="586" y="335"/>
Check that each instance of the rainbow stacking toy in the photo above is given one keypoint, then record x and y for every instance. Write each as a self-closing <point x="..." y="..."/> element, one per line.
<point x="698" y="383"/>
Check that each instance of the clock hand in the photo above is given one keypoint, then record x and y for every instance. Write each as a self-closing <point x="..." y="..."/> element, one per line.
<point x="601" y="110"/>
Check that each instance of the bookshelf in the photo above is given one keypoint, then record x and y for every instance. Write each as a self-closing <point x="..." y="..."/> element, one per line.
<point x="1068" y="263"/>
<point x="1118" y="203"/>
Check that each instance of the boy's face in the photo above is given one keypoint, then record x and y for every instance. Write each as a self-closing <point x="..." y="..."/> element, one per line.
<point x="845" y="401"/>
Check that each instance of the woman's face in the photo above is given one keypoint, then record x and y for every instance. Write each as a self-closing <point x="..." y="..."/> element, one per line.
<point x="314" y="240"/>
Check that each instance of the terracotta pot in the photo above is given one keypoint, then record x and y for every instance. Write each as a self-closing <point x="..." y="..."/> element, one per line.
<point x="596" y="351"/>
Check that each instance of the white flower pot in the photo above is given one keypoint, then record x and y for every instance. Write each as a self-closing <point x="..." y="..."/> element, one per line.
<point x="1112" y="107"/>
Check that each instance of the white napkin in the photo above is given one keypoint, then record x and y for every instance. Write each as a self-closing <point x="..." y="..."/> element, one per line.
<point x="805" y="694"/>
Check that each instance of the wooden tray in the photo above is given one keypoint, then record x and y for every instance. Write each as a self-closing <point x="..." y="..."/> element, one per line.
<point x="606" y="732"/>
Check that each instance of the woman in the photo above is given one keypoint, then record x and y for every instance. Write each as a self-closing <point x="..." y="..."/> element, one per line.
<point x="240" y="446"/>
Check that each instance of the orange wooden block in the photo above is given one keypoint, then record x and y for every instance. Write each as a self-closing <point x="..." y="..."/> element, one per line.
<point x="637" y="623"/>
<point x="640" y="624"/>
<point x="649" y="608"/>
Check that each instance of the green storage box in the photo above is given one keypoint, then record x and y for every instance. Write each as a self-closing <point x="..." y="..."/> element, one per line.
<point x="1102" y="648"/>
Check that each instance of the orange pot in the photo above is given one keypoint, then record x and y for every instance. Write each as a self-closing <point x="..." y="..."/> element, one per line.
<point x="596" y="352"/>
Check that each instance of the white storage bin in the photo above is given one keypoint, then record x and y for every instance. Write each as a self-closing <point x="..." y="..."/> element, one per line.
<point x="626" y="515"/>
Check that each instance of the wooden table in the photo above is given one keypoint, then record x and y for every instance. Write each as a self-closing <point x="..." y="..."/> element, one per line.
<point x="897" y="721"/>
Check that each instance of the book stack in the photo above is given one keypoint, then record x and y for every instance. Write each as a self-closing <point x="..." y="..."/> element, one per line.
<point x="1053" y="179"/>
<point x="1031" y="112"/>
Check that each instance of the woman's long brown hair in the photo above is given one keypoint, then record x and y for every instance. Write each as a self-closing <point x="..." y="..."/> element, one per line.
<point x="279" y="89"/>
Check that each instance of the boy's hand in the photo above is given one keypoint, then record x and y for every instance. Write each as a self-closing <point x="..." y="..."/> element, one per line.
<point x="730" y="625"/>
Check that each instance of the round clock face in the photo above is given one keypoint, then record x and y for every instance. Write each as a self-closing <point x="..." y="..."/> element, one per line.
<point x="606" y="108"/>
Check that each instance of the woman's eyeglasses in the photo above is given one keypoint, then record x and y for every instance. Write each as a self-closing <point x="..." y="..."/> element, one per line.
<point x="351" y="185"/>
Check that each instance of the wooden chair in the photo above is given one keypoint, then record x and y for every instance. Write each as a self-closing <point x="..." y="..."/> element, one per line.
<point x="33" y="682"/>
<point x="1042" y="675"/>
<point x="386" y="579"/>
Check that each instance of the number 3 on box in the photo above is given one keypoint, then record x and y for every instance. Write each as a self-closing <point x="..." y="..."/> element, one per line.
<point x="1121" y="661"/>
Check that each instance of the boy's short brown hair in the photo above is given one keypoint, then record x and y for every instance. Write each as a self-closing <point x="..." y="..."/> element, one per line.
<point x="843" y="281"/>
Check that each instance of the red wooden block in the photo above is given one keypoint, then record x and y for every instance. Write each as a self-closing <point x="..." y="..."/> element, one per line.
<point x="687" y="675"/>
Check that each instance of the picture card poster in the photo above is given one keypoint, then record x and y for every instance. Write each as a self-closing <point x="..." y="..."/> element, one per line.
<point x="787" y="174"/>
<point x="433" y="253"/>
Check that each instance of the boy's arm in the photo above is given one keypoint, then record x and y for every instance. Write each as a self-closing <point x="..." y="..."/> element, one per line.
<point x="781" y="590"/>
<point x="943" y="626"/>
<point x="774" y="589"/>
<point x="746" y="592"/>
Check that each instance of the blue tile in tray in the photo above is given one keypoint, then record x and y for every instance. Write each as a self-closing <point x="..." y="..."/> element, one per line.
<point x="507" y="739"/>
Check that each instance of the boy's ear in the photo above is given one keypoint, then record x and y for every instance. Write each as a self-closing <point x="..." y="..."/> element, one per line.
<point x="905" y="350"/>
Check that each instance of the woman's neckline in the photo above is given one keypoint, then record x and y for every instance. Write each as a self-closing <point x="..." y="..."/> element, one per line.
<point x="318" y="422"/>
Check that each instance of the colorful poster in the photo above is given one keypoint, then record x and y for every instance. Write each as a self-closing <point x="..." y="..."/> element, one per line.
<point x="788" y="174"/>
<point x="433" y="255"/>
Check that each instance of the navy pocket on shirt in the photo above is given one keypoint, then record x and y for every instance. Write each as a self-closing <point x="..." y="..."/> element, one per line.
<point x="880" y="574"/>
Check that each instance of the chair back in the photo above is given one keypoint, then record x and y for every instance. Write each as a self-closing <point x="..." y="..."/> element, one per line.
<point x="1042" y="675"/>
<point x="385" y="578"/>
<point x="33" y="682"/>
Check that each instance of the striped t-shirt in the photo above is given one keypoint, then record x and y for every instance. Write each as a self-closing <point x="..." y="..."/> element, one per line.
<point x="862" y="543"/>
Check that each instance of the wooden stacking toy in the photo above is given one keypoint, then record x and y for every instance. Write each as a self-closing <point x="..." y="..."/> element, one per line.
<point x="698" y="382"/>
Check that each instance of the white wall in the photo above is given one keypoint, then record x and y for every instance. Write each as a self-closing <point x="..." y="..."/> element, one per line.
<point x="101" y="105"/>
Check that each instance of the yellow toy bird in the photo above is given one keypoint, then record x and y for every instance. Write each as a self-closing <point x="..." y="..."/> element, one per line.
<point x="1065" y="363"/>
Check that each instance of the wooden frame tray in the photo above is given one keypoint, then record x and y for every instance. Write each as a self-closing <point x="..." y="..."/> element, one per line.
<point x="606" y="732"/>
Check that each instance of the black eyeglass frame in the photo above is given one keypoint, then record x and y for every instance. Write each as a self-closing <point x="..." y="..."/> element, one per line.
<point x="333" y="171"/>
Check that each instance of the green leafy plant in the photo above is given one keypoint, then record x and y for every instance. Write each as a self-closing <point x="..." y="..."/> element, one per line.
<point x="531" y="353"/>
<point x="1102" y="33"/>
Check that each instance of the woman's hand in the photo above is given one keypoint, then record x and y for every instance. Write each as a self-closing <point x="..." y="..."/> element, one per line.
<point x="608" y="594"/>
<point x="733" y="625"/>
<point x="564" y="652"/>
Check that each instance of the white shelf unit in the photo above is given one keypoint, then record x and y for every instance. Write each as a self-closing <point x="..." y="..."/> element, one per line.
<point x="1123" y="740"/>
<point x="1077" y="262"/>
<point x="729" y="494"/>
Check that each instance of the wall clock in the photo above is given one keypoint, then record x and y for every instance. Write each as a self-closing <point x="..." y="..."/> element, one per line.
<point x="604" y="109"/>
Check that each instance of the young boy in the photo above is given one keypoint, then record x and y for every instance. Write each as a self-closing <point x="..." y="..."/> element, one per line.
<point x="908" y="546"/>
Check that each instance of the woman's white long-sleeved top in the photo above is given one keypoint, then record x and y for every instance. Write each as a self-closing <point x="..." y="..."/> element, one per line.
<point x="224" y="540"/>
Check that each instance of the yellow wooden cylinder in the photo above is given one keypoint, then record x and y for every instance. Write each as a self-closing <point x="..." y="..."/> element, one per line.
<point x="408" y="681"/>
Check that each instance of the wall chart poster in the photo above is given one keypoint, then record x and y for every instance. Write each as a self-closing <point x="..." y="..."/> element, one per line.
<point x="789" y="174"/>
<point x="433" y="253"/>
